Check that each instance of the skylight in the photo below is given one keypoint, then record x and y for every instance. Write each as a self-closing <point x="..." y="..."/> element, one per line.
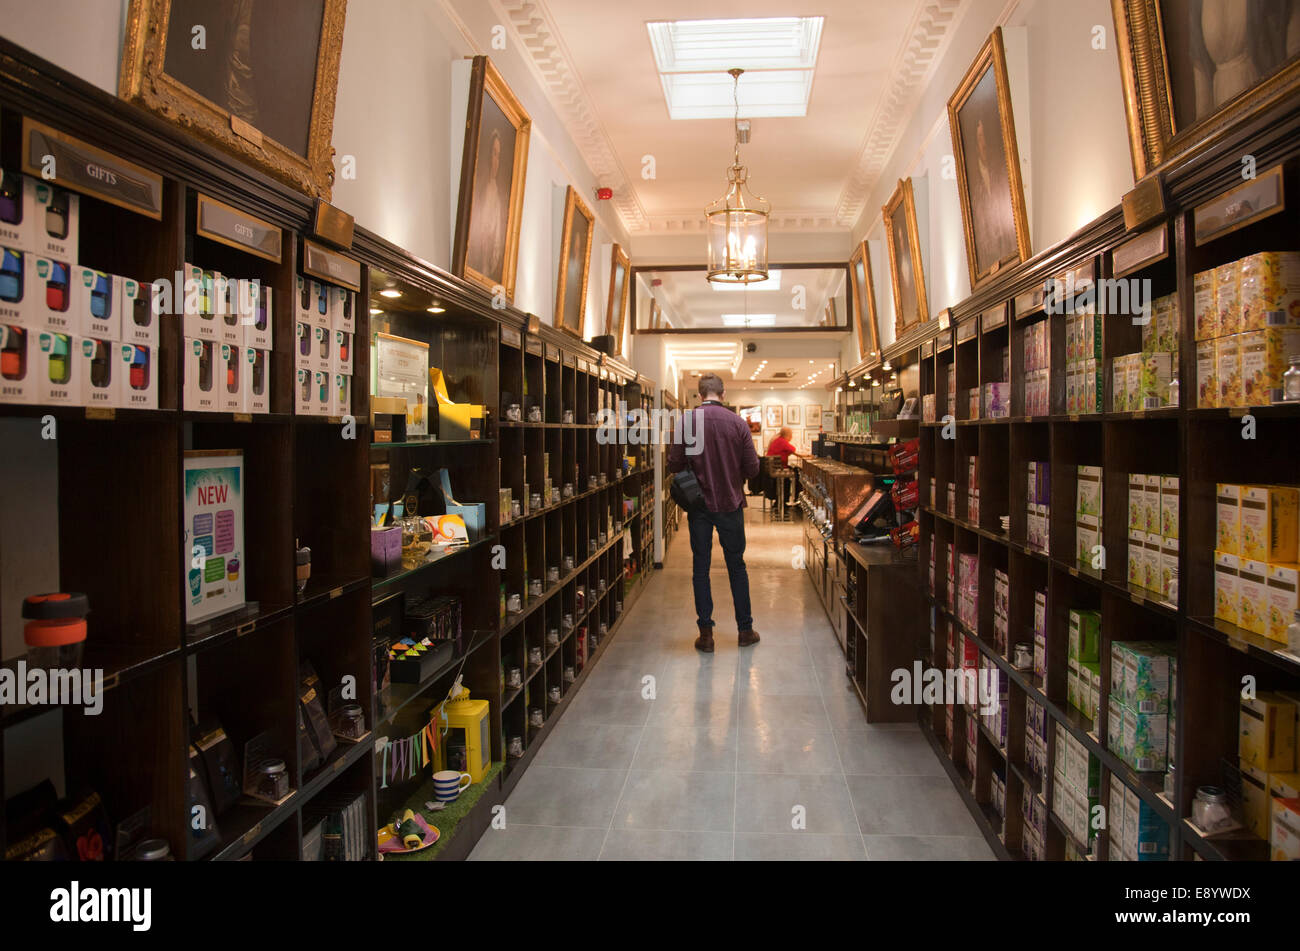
<point x="778" y="55"/>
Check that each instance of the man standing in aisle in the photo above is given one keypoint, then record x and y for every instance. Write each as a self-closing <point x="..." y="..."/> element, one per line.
<point x="723" y="459"/>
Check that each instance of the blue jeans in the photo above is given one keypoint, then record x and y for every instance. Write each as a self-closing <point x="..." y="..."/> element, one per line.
<point x="731" y="536"/>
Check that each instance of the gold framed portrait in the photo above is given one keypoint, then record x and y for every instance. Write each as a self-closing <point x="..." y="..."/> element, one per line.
<point x="619" y="287"/>
<point x="1190" y="70"/>
<point x="575" y="262"/>
<point x="863" y="293"/>
<point x="988" y="166"/>
<point x="905" y="270"/>
<point x="493" y="166"/>
<point x="257" y="80"/>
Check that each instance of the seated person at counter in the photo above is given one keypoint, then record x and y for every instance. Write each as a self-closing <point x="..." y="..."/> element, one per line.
<point x="782" y="447"/>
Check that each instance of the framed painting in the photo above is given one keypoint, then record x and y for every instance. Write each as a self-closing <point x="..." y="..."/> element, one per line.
<point x="773" y="416"/>
<point x="906" y="272"/>
<point x="812" y="417"/>
<point x="616" y="309"/>
<point x="988" y="166"/>
<point x="794" y="414"/>
<point x="1191" y="68"/>
<point x="864" y="302"/>
<point x="575" y="262"/>
<point x="493" y="165"/>
<point x="255" y="79"/>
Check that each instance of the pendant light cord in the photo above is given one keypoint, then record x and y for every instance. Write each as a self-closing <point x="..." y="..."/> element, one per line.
<point x="735" y="95"/>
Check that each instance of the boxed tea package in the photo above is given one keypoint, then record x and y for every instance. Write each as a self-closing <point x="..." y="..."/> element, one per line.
<point x="1269" y="287"/>
<point x="1225" y="586"/>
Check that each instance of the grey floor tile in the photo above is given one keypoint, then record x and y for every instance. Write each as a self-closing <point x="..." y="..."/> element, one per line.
<point x="589" y="744"/>
<point x="685" y="710"/>
<point x="927" y="848"/>
<point x="659" y="799"/>
<point x="621" y="707"/>
<point x="775" y="713"/>
<point x="624" y="845"/>
<point x="786" y="750"/>
<point x="775" y="681"/>
<point x="910" y="805"/>
<point x="521" y="843"/>
<point x="564" y="796"/>
<point x="767" y="804"/>
<point x="887" y="753"/>
<point x="799" y="847"/>
<point x="678" y="748"/>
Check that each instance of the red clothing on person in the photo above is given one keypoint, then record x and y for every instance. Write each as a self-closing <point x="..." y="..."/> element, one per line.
<point x="782" y="447"/>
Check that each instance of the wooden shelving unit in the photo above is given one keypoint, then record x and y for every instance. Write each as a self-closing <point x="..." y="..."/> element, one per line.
<point x="1200" y="446"/>
<point x="307" y="482"/>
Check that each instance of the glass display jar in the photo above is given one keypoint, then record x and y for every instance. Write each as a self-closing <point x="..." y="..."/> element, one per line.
<point x="514" y="678"/>
<point x="154" y="850"/>
<point x="273" y="780"/>
<point x="534" y="657"/>
<point x="536" y="717"/>
<point x="553" y="693"/>
<point x="569" y="676"/>
<point x="515" y="748"/>
<point x="352" y="722"/>
<point x="552" y="637"/>
<point x="1210" y="810"/>
<point x="1291" y="381"/>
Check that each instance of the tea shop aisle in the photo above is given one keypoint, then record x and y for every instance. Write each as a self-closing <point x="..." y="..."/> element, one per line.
<point x="669" y="754"/>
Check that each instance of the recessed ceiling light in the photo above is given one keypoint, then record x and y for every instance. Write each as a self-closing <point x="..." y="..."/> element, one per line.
<point x="391" y="293"/>
<point x="375" y="312"/>
<point x="435" y="309"/>
<point x="778" y="55"/>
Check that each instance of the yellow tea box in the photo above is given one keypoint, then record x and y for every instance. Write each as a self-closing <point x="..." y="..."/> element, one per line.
<point x="1227" y="297"/>
<point x="1157" y="371"/>
<point x="1266" y="739"/>
<point x="1284" y="832"/>
<point x="1228" y="513"/>
<point x="1154" y="562"/>
<point x="1284" y="785"/>
<point x="1227" y="370"/>
<point x="1137" y="502"/>
<point x="1167" y="320"/>
<point x="1153" y="504"/>
<point x="1225" y="587"/>
<point x="1270" y="285"/>
<point x="1269" y="523"/>
<point x="1255" y="800"/>
<point x="1282" y="583"/>
<point x="1252" y="597"/>
<point x="1169" y="506"/>
<point x="1207" y="381"/>
<point x="1205" y="307"/>
<point x="1169" y="570"/>
<point x="1265" y="356"/>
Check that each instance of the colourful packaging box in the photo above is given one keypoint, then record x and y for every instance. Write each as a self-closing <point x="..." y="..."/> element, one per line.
<point x="1265" y="356"/>
<point x="1085" y="634"/>
<point x="1115" y="726"/>
<point x="1269" y="526"/>
<point x="1225" y="586"/>
<point x="1282" y="584"/>
<point x="1146" y="676"/>
<point x="1154" y="562"/>
<point x="1284" y="833"/>
<point x="1167" y="319"/>
<point x="1088" y="495"/>
<point x="1205" y="307"/>
<point x="1152" y="507"/>
<point x="1228" y="514"/>
<point x="1267" y="735"/>
<point x="1227" y="297"/>
<point x="1169" y="506"/>
<point x="1227" y="370"/>
<point x="1169" y="570"/>
<point x="1207" y="380"/>
<point x="1270" y="285"/>
<point x="1252" y="597"/>
<point x="1255" y="800"/>
<point x="1137" y="502"/>
<point x="1157" y="371"/>
<point x="1137" y="572"/>
<point x="1146" y="737"/>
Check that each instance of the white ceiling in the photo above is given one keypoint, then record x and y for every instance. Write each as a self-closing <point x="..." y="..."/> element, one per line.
<point x="785" y="359"/>
<point x="596" y="58"/>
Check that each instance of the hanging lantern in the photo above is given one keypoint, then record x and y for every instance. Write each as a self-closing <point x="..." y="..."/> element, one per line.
<point x="737" y="222"/>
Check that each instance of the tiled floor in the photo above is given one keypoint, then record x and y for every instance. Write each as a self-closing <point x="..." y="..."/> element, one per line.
<point x="762" y="753"/>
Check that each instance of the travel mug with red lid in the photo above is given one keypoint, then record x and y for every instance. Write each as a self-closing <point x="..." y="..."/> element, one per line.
<point x="55" y="631"/>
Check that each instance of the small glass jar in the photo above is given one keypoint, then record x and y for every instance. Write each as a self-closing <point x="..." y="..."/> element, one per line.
<point x="352" y="722"/>
<point x="552" y="637"/>
<point x="569" y="676"/>
<point x="1175" y="392"/>
<point x="515" y="748"/>
<point x="534" y="414"/>
<point x="514" y="603"/>
<point x="1210" y="810"/>
<point x="602" y="478"/>
<point x="514" y="678"/>
<point x="591" y="419"/>
<point x="567" y="491"/>
<point x="567" y="622"/>
<point x="154" y="850"/>
<point x="534" y="657"/>
<point x="604" y="629"/>
<point x="591" y="481"/>
<point x="555" y="495"/>
<point x="600" y="586"/>
<point x="536" y="717"/>
<point x="603" y="538"/>
<point x="516" y="509"/>
<point x="1291" y="381"/>
<point x="568" y="416"/>
<point x="552" y="574"/>
<point x="553" y="694"/>
<point x="535" y="588"/>
<point x="513" y="413"/>
<point x="273" y="780"/>
<point x="534" y="501"/>
<point x="591" y="546"/>
<point x="568" y="562"/>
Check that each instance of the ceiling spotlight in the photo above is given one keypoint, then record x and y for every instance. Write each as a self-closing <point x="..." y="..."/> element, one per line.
<point x="886" y="366"/>
<point x="391" y="293"/>
<point x="437" y="309"/>
<point x="375" y="312"/>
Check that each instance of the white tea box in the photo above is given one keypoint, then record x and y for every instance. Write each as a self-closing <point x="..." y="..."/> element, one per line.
<point x="95" y="304"/>
<point x="50" y="302"/>
<point x="138" y="316"/>
<point x="100" y="371"/>
<point x="256" y="380"/>
<point x="139" y="376"/>
<point x="200" y="376"/>
<point x="58" y="380"/>
<point x="52" y="215"/>
<point x="231" y="369"/>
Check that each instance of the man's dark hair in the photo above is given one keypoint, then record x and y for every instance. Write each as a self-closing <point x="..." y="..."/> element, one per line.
<point x="710" y="385"/>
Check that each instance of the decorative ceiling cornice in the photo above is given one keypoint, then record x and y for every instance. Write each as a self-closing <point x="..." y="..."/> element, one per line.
<point x="910" y="70"/>
<point x="537" y="33"/>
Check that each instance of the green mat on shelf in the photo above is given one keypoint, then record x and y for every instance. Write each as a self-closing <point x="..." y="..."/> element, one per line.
<point x="446" y="821"/>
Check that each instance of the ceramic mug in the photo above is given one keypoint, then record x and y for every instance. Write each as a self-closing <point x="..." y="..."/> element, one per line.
<point x="448" y="784"/>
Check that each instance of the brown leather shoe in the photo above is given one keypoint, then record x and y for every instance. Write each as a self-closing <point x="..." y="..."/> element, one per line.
<point x="704" y="643"/>
<point x="748" y="637"/>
